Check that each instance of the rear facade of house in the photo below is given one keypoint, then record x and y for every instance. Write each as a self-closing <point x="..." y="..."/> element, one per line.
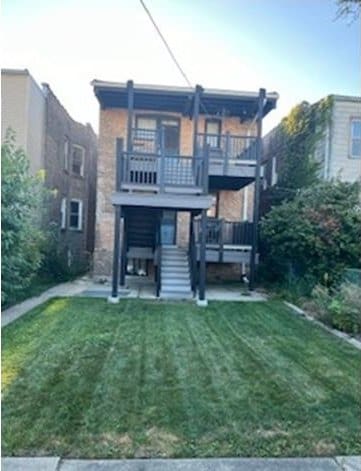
<point x="67" y="153"/>
<point x="175" y="185"/>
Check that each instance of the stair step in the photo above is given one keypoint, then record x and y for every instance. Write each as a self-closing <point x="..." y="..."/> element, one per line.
<point x="176" y="295"/>
<point x="184" y="285"/>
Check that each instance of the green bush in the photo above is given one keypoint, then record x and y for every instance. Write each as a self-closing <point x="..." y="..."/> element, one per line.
<point x="340" y="308"/>
<point x="315" y="236"/>
<point x="21" y="235"/>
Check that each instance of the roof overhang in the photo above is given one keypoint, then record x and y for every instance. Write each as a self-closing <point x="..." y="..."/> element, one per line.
<point x="243" y="105"/>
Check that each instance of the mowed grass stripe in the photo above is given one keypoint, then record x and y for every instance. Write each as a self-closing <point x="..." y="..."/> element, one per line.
<point x="89" y="379"/>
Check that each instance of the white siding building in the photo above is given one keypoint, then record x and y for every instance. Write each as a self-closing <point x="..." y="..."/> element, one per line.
<point x="23" y="110"/>
<point x="342" y="143"/>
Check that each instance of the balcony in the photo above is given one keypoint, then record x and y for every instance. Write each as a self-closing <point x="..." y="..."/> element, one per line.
<point x="154" y="165"/>
<point x="226" y="241"/>
<point x="230" y="156"/>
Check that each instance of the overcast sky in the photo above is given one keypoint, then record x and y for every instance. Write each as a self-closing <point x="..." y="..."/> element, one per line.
<point x="294" y="47"/>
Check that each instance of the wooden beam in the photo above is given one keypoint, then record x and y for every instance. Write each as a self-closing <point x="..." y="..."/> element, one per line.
<point x="202" y="258"/>
<point x="116" y="251"/>
<point x="119" y="147"/>
<point x="123" y="256"/>
<point x="130" y="91"/>
<point x="197" y="99"/>
<point x="261" y="99"/>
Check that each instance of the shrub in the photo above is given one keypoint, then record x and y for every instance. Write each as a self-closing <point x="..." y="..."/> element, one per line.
<point x="345" y="308"/>
<point x="21" y="235"/>
<point x="314" y="236"/>
<point x="340" y="308"/>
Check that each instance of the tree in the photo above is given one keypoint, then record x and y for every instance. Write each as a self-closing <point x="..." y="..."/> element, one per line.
<point x="349" y="9"/>
<point x="21" y="235"/>
<point x="315" y="235"/>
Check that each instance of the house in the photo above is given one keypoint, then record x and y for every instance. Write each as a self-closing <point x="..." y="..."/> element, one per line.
<point x="66" y="150"/>
<point x="338" y="150"/>
<point x="173" y="165"/>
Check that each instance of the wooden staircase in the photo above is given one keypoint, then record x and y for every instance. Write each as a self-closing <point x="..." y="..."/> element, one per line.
<point x="175" y="274"/>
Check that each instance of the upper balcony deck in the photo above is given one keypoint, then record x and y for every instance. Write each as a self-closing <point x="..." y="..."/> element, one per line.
<point x="154" y="163"/>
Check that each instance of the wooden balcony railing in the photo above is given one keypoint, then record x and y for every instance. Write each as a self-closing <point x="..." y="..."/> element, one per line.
<point x="228" y="147"/>
<point x="221" y="233"/>
<point x="163" y="173"/>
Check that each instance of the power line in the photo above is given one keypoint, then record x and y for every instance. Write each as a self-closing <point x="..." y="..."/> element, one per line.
<point x="166" y="44"/>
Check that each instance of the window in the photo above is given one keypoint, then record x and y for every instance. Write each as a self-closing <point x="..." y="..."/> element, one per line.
<point x="355" y="139"/>
<point x="143" y="122"/>
<point x="63" y="214"/>
<point x="77" y="160"/>
<point x="213" y="131"/>
<point x="76" y="213"/>
<point x="66" y="154"/>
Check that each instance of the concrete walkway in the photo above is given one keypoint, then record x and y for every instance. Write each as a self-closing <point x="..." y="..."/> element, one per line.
<point x="138" y="287"/>
<point x="351" y="463"/>
<point x="70" y="288"/>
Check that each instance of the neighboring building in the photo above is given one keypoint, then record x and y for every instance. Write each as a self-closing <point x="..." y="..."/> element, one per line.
<point x="157" y="182"/>
<point x="338" y="150"/>
<point x="65" y="149"/>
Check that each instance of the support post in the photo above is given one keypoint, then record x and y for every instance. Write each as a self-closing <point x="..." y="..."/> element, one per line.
<point x="116" y="252"/>
<point x="227" y="152"/>
<point x="119" y="163"/>
<point x="256" y="197"/>
<point x="123" y="256"/>
<point x="197" y="99"/>
<point x="202" y="261"/>
<point x="130" y="91"/>
<point x="162" y="161"/>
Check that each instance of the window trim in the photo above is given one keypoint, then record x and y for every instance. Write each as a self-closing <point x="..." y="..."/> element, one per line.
<point x="80" y="215"/>
<point x="219" y="134"/>
<point x="351" y="138"/>
<point x="63" y="215"/>
<point x="78" y="146"/>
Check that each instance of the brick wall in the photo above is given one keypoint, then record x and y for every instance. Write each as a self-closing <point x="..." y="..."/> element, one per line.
<point x="59" y="126"/>
<point x="113" y="125"/>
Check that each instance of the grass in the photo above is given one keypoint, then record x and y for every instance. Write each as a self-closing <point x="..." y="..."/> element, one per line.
<point x="83" y="378"/>
<point x="39" y="284"/>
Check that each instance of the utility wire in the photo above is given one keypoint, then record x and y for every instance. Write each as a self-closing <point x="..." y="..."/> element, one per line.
<point x="170" y="51"/>
<point x="166" y="44"/>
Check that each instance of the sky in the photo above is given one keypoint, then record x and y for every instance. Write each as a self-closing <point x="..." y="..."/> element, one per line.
<point x="293" y="47"/>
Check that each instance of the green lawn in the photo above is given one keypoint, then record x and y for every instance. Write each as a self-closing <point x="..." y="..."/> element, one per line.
<point x="83" y="378"/>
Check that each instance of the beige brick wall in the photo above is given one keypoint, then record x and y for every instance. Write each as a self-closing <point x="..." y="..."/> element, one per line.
<point x="113" y="125"/>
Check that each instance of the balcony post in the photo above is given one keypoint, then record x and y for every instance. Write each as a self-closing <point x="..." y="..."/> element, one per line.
<point x="205" y="168"/>
<point x="197" y="99"/>
<point x="256" y="196"/>
<point x="226" y="156"/>
<point x="202" y="261"/>
<point x="123" y="256"/>
<point x="130" y="91"/>
<point x="114" y="298"/>
<point x="119" y="146"/>
<point x="162" y="162"/>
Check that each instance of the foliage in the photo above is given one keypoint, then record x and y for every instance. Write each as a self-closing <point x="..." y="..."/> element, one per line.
<point x="316" y="235"/>
<point x="294" y="143"/>
<point x="340" y="308"/>
<point x="21" y="235"/>
<point x="86" y="379"/>
<point x="348" y="9"/>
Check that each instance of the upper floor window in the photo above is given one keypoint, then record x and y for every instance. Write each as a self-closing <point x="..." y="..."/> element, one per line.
<point x="77" y="160"/>
<point x="355" y="138"/>
<point x="66" y="154"/>
<point x="213" y="131"/>
<point x="76" y="215"/>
